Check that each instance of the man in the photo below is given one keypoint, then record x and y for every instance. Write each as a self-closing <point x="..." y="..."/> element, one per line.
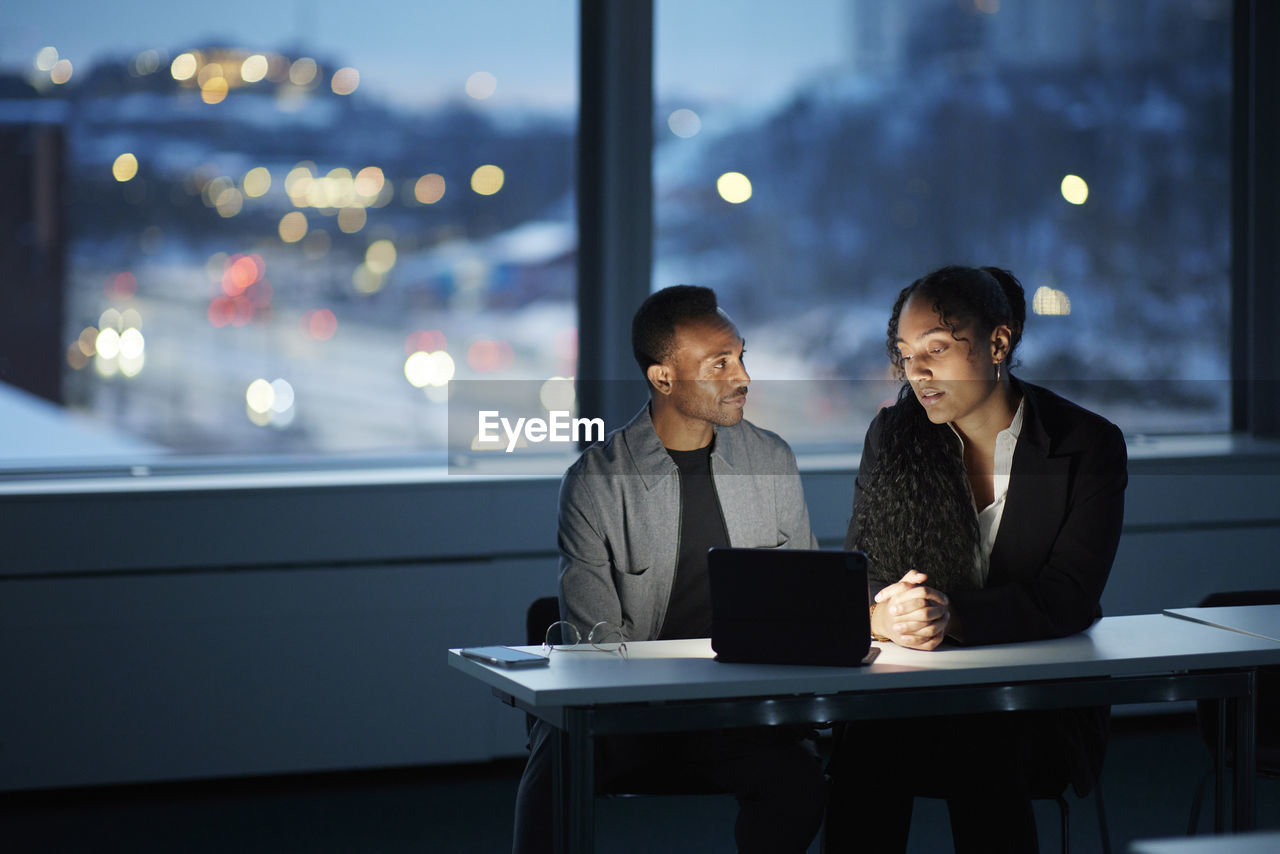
<point x="637" y="515"/>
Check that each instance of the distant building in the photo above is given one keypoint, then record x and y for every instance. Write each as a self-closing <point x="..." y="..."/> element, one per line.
<point x="887" y="37"/>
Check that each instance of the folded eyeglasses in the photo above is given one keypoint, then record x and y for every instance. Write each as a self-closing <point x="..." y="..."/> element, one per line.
<point x="564" y="636"/>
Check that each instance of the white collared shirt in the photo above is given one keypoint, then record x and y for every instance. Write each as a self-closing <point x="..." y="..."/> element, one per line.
<point x="989" y="517"/>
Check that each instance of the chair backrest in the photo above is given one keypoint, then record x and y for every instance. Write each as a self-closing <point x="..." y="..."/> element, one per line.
<point x="1267" y="713"/>
<point x="542" y="613"/>
<point x="1231" y="598"/>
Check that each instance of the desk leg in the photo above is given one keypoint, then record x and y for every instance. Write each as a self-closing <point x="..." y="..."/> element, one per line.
<point x="1246" y="761"/>
<point x="559" y="824"/>
<point x="581" y="762"/>
<point x="1224" y="705"/>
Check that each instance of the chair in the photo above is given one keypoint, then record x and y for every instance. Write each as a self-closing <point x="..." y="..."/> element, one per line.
<point x="1268" y="708"/>
<point x="1064" y="814"/>
<point x="1045" y="789"/>
<point x="541" y="614"/>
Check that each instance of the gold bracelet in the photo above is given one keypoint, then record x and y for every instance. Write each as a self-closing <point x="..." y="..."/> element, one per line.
<point x="875" y="636"/>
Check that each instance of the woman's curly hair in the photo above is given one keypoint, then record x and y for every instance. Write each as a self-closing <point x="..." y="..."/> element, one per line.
<point x="915" y="509"/>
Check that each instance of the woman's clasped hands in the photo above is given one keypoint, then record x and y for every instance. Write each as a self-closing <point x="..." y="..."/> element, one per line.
<point x="911" y="614"/>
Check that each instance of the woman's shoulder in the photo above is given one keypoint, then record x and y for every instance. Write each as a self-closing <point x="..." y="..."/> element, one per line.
<point x="1068" y="424"/>
<point x="902" y="408"/>
<point x="902" y="427"/>
<point x="892" y="413"/>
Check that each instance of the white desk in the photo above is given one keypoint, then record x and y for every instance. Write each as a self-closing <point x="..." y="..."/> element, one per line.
<point x="1243" y="843"/>
<point x="670" y="686"/>
<point x="1261" y="621"/>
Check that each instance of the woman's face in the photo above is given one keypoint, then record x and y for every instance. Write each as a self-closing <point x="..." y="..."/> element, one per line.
<point x="953" y="377"/>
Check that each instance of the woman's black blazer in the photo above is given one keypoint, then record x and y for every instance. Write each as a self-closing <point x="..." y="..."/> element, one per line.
<point x="1056" y="543"/>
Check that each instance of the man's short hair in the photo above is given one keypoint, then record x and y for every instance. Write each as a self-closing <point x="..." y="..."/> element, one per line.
<point x="653" y="329"/>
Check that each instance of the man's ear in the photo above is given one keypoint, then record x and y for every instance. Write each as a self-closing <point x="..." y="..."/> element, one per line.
<point x="660" y="378"/>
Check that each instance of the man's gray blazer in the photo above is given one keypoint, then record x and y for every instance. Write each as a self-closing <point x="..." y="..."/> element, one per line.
<point x="619" y="523"/>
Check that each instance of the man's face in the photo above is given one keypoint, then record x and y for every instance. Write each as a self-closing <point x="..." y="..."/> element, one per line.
<point x="710" y="380"/>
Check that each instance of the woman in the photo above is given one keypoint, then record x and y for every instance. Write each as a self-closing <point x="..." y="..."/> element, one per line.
<point x="990" y="510"/>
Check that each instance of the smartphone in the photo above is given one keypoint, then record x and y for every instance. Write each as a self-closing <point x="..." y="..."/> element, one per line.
<point x="504" y="656"/>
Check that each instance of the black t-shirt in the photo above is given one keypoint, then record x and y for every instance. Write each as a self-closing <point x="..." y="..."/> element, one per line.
<point x="701" y="527"/>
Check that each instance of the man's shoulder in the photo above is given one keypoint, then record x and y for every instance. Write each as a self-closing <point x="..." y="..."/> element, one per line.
<point x="756" y="437"/>
<point x="605" y="457"/>
<point x="615" y="453"/>
<point x="750" y="449"/>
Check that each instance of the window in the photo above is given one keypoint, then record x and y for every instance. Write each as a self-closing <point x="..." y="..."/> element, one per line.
<point x="809" y="166"/>
<point x="284" y="228"/>
<point x="279" y="234"/>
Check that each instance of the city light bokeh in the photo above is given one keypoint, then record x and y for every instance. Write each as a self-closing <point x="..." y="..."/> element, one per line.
<point x="365" y="210"/>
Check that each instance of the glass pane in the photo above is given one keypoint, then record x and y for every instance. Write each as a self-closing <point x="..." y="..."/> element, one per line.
<point x="809" y="166"/>
<point x="284" y="227"/>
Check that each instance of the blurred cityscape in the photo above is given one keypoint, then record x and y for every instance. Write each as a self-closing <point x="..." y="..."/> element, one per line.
<point x="1083" y="146"/>
<point x="263" y="258"/>
<point x="254" y="247"/>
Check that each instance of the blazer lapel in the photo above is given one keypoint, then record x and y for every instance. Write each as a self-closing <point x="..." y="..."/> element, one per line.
<point x="1035" y="504"/>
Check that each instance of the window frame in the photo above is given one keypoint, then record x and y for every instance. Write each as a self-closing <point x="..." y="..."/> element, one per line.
<point x="393" y="513"/>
